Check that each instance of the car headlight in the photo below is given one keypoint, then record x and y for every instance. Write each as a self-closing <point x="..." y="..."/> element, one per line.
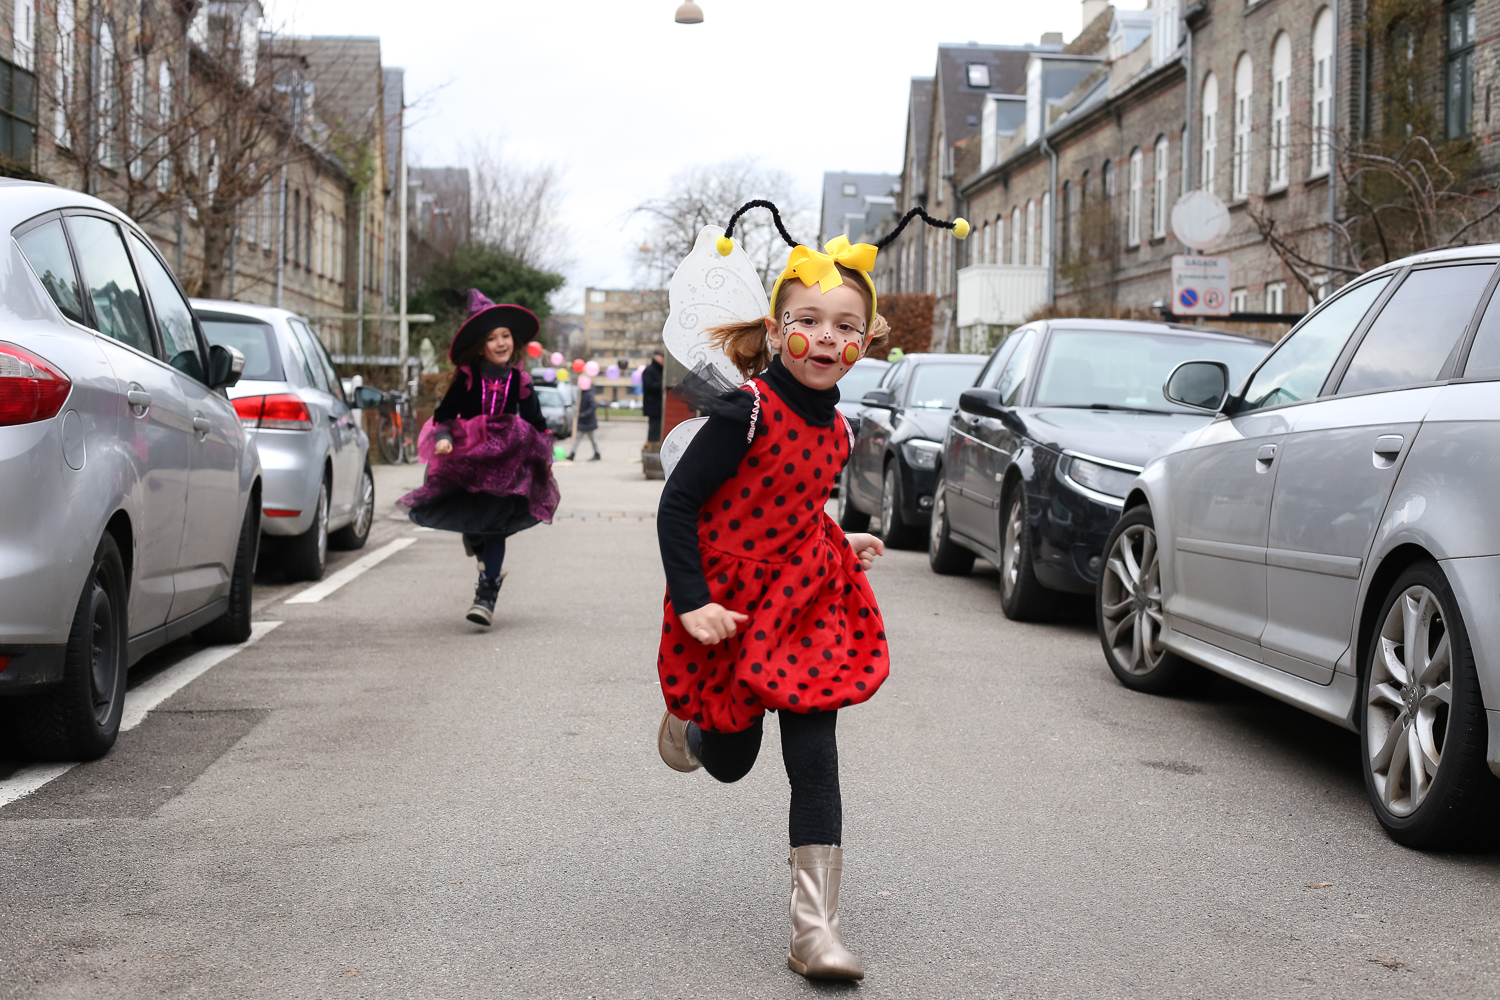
<point x="921" y="454"/>
<point x="1097" y="478"/>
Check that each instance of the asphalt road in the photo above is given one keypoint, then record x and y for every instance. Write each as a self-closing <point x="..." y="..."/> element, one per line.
<point x="378" y="799"/>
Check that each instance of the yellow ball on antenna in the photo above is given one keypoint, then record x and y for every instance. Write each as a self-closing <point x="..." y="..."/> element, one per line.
<point x="960" y="228"/>
<point x="724" y="245"/>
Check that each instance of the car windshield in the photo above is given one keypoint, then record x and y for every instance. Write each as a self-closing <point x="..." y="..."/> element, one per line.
<point x="549" y="397"/>
<point x="256" y="341"/>
<point x="859" y="380"/>
<point x="1125" y="371"/>
<point x="936" y="386"/>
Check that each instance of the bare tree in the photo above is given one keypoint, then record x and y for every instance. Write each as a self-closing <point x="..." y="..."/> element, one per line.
<point x="708" y="195"/>
<point x="516" y="208"/>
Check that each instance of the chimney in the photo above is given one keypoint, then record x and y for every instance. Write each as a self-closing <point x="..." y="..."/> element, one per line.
<point x="1052" y="38"/>
<point x="1092" y="9"/>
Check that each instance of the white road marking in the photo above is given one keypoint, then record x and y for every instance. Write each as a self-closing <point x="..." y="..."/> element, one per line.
<point x="318" y="591"/>
<point x="138" y="704"/>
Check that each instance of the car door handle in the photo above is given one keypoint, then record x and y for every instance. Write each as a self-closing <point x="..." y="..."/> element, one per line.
<point x="138" y="399"/>
<point x="1389" y="445"/>
<point x="1265" y="457"/>
<point x="202" y="426"/>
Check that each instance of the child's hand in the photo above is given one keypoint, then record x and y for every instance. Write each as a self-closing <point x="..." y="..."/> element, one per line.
<point x="712" y="623"/>
<point x="866" y="547"/>
<point x="444" y="447"/>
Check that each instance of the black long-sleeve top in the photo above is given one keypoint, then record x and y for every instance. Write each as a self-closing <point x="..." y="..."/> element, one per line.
<point x="465" y="398"/>
<point x="712" y="458"/>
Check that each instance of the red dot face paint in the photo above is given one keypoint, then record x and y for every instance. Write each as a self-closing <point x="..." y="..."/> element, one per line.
<point x="851" y="353"/>
<point x="797" y="345"/>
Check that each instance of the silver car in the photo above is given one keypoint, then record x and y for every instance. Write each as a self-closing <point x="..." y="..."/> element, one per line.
<point x="1330" y="538"/>
<point x="129" y="491"/>
<point x="316" y="456"/>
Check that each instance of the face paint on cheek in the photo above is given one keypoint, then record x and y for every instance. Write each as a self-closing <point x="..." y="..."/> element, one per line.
<point x="851" y="353"/>
<point x="797" y="345"/>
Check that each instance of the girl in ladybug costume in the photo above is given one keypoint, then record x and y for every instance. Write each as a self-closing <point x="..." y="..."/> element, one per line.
<point x="768" y="605"/>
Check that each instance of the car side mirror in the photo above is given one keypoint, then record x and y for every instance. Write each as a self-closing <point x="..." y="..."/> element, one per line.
<point x="1199" y="385"/>
<point x="367" y="397"/>
<point x="225" y="364"/>
<point x="982" y="402"/>
<point x="877" y="397"/>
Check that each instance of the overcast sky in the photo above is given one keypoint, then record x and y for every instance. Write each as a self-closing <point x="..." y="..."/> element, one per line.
<point x="621" y="97"/>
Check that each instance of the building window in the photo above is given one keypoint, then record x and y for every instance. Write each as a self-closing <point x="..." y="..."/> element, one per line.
<point x="1276" y="297"/>
<point x="1031" y="233"/>
<point x="851" y="191"/>
<point x="979" y="75"/>
<point x="1210" y="133"/>
<point x="1239" y="300"/>
<point x="1281" y="108"/>
<point x="1244" y="75"/>
<point x="267" y="213"/>
<point x="138" y="119"/>
<point x="1133" y="206"/>
<point x="23" y="42"/>
<point x="1044" y="229"/>
<point x="1459" y="69"/>
<point x="1322" y="87"/>
<point x="1159" y="190"/>
<point x="105" y="103"/>
<point x="1164" y="31"/>
<point x="63" y="88"/>
<point x="1015" y="236"/>
<point x="1065" y="224"/>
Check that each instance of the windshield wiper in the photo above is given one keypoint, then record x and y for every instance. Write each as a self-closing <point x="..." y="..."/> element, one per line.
<point x="1112" y="406"/>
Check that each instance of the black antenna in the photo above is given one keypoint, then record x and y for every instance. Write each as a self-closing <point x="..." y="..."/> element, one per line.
<point x="775" y="214"/>
<point x="890" y="237"/>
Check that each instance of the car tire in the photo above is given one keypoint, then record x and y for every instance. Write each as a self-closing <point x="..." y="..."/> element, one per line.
<point x="79" y="718"/>
<point x="1456" y="801"/>
<point x="1128" y="611"/>
<point x="1022" y="596"/>
<point x="851" y="518"/>
<point x="354" y="534"/>
<point x="305" y="556"/>
<point x="944" y="555"/>
<point x="896" y="533"/>
<point x="233" y="626"/>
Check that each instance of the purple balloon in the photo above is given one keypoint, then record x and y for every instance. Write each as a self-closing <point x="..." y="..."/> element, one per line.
<point x="613" y="371"/>
<point x="635" y="377"/>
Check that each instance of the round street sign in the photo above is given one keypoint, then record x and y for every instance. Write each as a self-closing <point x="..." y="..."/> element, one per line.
<point x="1200" y="219"/>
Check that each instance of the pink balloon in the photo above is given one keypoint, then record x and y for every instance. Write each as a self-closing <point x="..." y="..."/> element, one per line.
<point x="635" y="377"/>
<point x="584" y="382"/>
<point x="591" y="369"/>
<point x="556" y="358"/>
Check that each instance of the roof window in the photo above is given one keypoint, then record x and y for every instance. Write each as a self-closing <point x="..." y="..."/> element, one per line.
<point x="851" y="191"/>
<point x="979" y="75"/>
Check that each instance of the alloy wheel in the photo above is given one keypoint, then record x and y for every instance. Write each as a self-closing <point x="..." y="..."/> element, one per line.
<point x="366" y="512"/>
<point x="103" y="652"/>
<point x="937" y="524"/>
<point x="888" y="503"/>
<point x="1010" y="550"/>
<point x="1408" y="700"/>
<point x="1130" y="600"/>
<point x="322" y="523"/>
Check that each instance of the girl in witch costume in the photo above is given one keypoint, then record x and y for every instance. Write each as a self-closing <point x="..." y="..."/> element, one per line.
<point x="768" y="605"/>
<point x="487" y="447"/>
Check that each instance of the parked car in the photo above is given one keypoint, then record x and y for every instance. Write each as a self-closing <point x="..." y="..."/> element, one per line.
<point x="890" y="472"/>
<point x="557" y="408"/>
<point x="628" y="403"/>
<point x="319" y="491"/>
<point x="864" y="376"/>
<point x="130" y="491"/>
<point x="1330" y="538"/>
<point x="1037" y="457"/>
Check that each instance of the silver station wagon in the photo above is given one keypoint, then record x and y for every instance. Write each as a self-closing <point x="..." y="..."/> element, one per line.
<point x="1331" y="538"/>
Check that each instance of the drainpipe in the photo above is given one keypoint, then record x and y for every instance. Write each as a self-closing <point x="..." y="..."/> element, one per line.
<point x="281" y="241"/>
<point x="1051" y="220"/>
<point x="1333" y="114"/>
<point x="1190" y="159"/>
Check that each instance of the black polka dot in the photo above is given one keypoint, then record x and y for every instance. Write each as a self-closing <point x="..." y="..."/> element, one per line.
<point x="820" y="439"/>
<point x="827" y="692"/>
<point x="757" y="512"/>
<point x="781" y="501"/>
<point x="792" y="433"/>
<point x="812" y="671"/>
<point x="745" y="493"/>
<point x="752" y="461"/>
<point x="806" y="642"/>
<point x="671" y="680"/>
<point x="869" y="670"/>
<point x="820" y="623"/>
<point x="749" y="545"/>
<point x="772" y="685"/>
<point x="776" y="449"/>
<point x="725" y="505"/>
<point x="713" y="536"/>
<point x="807" y="453"/>
<point x="777" y="416"/>
<point x="766" y="481"/>
<point x="801" y="685"/>
<point x="755" y="668"/>
<point x="770" y="532"/>
<point x="734" y="526"/>
<point x="692" y="668"/>
<point x="792" y="698"/>
<point x="788" y="592"/>
<point x="860" y="685"/>
<point x="780" y="672"/>
<point x="827" y="654"/>
<point x="677" y="649"/>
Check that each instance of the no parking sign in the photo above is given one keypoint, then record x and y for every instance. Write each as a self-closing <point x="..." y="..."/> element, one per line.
<point x="1200" y="286"/>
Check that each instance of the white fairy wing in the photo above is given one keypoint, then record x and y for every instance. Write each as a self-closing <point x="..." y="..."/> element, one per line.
<point x="676" y="443"/>
<point x="708" y="290"/>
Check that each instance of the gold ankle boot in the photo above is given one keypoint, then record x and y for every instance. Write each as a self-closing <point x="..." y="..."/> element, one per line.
<point x="817" y="949"/>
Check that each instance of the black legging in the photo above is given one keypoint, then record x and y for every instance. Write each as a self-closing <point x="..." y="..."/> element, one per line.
<point x="810" y="751"/>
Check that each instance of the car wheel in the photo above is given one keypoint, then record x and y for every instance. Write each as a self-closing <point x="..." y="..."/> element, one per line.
<point x="234" y="624"/>
<point x="895" y="532"/>
<point x="944" y="555"/>
<point x="354" y="534"/>
<point x="79" y="718"/>
<point x="1424" y="730"/>
<point x="1022" y="597"/>
<point x="1128" y="610"/>
<point x="851" y="518"/>
<point x="305" y="557"/>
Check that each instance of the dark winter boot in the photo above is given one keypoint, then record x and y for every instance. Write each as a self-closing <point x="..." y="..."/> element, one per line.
<point x="482" y="612"/>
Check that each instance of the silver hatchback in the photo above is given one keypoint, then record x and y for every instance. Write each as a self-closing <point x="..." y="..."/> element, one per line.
<point x="1330" y="538"/>
<point x="316" y="456"/>
<point x="129" y="491"/>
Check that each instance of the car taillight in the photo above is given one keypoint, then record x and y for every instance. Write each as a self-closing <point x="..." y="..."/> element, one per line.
<point x="30" y="388"/>
<point x="281" y="412"/>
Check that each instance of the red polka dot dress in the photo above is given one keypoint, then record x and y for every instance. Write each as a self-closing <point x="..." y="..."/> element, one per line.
<point x="814" y="641"/>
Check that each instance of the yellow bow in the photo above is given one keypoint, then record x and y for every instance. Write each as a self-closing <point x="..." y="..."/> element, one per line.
<point x="814" y="268"/>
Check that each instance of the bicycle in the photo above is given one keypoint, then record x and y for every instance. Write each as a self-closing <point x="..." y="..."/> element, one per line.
<point x="396" y="431"/>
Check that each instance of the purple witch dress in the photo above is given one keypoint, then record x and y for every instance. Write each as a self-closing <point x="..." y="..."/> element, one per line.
<point x="498" y="478"/>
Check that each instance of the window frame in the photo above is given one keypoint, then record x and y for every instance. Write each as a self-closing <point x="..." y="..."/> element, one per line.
<point x="1460" y="360"/>
<point x="198" y="333"/>
<point x="1321" y="122"/>
<point x="1133" y="199"/>
<point x="1244" y="123"/>
<point x="158" y="351"/>
<point x="1462" y="55"/>
<point x="1281" y="113"/>
<point x="1163" y="168"/>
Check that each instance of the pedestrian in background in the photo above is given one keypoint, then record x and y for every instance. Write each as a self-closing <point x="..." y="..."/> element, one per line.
<point x="588" y="423"/>
<point x="651" y="401"/>
<point x="487" y="447"/>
